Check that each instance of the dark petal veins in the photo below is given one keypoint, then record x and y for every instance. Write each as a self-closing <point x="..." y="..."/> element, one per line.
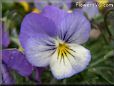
<point x="71" y="26"/>
<point x="75" y="27"/>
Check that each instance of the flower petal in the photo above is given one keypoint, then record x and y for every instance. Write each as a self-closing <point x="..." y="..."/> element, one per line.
<point x="39" y="50"/>
<point x="74" y="28"/>
<point x="17" y="61"/>
<point x="54" y="13"/>
<point x="72" y="63"/>
<point x="35" y="24"/>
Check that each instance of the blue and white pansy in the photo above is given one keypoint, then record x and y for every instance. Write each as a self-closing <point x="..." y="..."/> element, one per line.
<point x="53" y="38"/>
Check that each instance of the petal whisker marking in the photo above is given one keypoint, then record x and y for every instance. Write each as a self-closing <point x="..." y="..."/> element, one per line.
<point x="65" y="34"/>
<point x="48" y="49"/>
<point x="60" y="36"/>
<point x="69" y="37"/>
<point x="70" y="62"/>
<point x="58" y="54"/>
<point x="50" y="44"/>
<point x="53" y="52"/>
<point x="66" y="54"/>
<point x="63" y="57"/>
<point x="51" y="41"/>
<point x="70" y="53"/>
<point x="71" y="50"/>
<point x="72" y="40"/>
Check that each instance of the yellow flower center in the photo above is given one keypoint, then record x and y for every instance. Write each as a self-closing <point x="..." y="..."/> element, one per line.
<point x="64" y="51"/>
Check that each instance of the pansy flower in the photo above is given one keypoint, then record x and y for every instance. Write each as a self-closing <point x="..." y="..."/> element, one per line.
<point x="54" y="38"/>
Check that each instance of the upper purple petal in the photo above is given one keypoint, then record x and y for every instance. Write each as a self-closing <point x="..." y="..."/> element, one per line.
<point x="72" y="27"/>
<point x="75" y="27"/>
<point x="17" y="61"/>
<point x="34" y="25"/>
<point x="54" y="14"/>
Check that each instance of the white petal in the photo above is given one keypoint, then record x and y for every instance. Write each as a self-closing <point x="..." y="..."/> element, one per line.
<point x="38" y="53"/>
<point x="70" y="65"/>
<point x="82" y="57"/>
